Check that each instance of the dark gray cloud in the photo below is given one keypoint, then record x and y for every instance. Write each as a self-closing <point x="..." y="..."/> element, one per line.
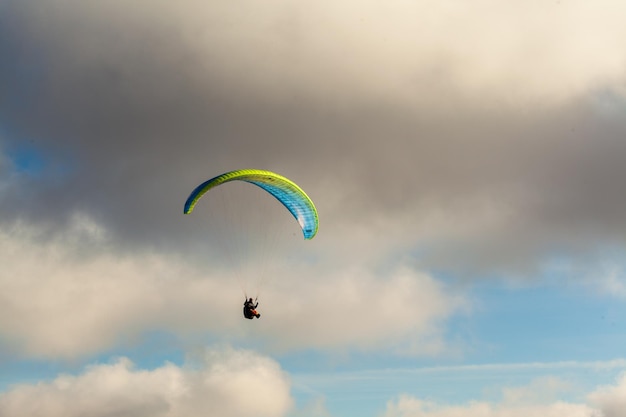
<point x="480" y="161"/>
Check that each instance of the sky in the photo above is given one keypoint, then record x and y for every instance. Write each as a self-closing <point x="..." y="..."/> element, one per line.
<point x="467" y="160"/>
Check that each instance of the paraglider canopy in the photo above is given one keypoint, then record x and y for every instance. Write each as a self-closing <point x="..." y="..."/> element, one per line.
<point x="282" y="188"/>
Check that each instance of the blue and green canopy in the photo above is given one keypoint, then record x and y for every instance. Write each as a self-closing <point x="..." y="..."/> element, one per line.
<point x="282" y="188"/>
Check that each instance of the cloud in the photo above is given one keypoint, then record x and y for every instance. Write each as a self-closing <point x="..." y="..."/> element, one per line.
<point x="611" y="399"/>
<point x="212" y="381"/>
<point x="223" y="382"/>
<point x="351" y="52"/>
<point x="59" y="299"/>
<point x="411" y="407"/>
<point x="539" y="391"/>
<point x="73" y="295"/>
<point x="507" y="368"/>
<point x="461" y="133"/>
<point x="403" y="310"/>
<point x="539" y="398"/>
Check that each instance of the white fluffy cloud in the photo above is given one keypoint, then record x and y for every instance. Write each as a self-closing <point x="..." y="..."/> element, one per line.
<point x="538" y="399"/>
<point x="402" y="310"/>
<point x="611" y="399"/>
<point x="215" y="382"/>
<point x="61" y="300"/>
<point x="72" y="295"/>
<point x="412" y="407"/>
<point x="224" y="382"/>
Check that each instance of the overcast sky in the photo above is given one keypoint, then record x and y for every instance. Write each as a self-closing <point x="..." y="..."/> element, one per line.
<point x="467" y="160"/>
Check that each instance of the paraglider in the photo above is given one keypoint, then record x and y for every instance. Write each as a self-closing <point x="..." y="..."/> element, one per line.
<point x="287" y="192"/>
<point x="249" y="309"/>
